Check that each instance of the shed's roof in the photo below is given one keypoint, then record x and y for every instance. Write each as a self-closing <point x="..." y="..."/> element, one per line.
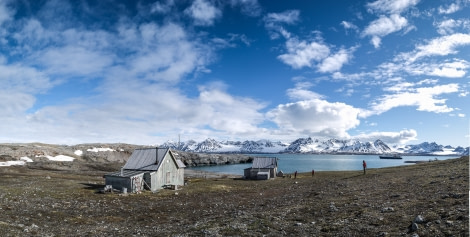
<point x="126" y="173"/>
<point x="264" y="162"/>
<point x="148" y="159"/>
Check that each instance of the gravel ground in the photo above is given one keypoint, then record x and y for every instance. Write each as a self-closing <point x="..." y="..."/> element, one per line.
<point x="430" y="199"/>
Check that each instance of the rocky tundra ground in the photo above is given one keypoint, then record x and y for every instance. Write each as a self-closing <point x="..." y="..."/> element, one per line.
<point x="46" y="198"/>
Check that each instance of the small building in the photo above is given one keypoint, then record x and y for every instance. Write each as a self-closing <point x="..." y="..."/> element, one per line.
<point x="262" y="168"/>
<point x="150" y="168"/>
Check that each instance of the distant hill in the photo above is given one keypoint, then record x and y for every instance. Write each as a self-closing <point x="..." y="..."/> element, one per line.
<point x="311" y="145"/>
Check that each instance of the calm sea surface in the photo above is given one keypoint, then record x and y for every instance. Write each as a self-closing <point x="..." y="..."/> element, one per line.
<point x="290" y="163"/>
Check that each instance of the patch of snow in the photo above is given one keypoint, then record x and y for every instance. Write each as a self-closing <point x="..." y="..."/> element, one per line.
<point x="60" y="158"/>
<point x="96" y="149"/>
<point x="12" y="162"/>
<point x="22" y="161"/>
<point x="78" y="152"/>
<point x="25" y="158"/>
<point x="444" y="152"/>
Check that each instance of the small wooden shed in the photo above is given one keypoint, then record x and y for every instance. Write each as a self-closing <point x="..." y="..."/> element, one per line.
<point x="262" y="168"/>
<point x="150" y="168"/>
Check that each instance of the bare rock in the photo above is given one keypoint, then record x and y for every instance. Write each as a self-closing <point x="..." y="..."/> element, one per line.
<point x="418" y="219"/>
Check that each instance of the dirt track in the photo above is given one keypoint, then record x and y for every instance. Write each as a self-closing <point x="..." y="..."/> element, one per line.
<point x="384" y="202"/>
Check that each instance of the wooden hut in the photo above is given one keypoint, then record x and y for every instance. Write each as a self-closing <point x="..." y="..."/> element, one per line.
<point x="151" y="168"/>
<point x="262" y="168"/>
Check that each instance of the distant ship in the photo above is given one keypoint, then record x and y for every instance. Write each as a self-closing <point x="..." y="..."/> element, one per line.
<point x="391" y="157"/>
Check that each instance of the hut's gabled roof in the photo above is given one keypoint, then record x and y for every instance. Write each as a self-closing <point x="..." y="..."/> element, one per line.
<point x="149" y="159"/>
<point x="264" y="162"/>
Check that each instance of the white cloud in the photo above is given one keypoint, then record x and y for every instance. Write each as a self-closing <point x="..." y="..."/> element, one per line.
<point x="165" y="53"/>
<point x="315" y="117"/>
<point x="248" y="7"/>
<point x="420" y="62"/>
<point x="301" y="92"/>
<point x="274" y="21"/>
<point x="456" y="69"/>
<point x="203" y="12"/>
<point x="454" y="7"/>
<point x="450" y="26"/>
<point x="73" y="61"/>
<point x="383" y="26"/>
<point x="6" y="13"/>
<point x="14" y="103"/>
<point x="217" y="110"/>
<point x="162" y="7"/>
<point x="348" y="25"/>
<point x="425" y="99"/>
<point x="288" y="17"/>
<point x="391" y="6"/>
<point x="401" y="137"/>
<point x="19" y="78"/>
<point x="440" y="46"/>
<point x="134" y="111"/>
<point x="335" y="61"/>
<point x="301" y="53"/>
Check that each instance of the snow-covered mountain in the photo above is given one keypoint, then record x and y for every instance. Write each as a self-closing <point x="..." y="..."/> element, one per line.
<point x="310" y="145"/>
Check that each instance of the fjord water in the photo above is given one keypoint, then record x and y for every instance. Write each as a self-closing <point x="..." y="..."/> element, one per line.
<point x="290" y="163"/>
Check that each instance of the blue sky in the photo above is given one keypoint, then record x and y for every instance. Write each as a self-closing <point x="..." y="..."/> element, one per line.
<point x="145" y="72"/>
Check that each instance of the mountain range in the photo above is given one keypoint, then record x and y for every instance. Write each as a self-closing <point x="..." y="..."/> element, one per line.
<point x="311" y="145"/>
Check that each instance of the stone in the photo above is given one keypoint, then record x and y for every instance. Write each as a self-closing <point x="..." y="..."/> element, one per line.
<point x="383" y="234"/>
<point x="418" y="219"/>
<point x="333" y="207"/>
<point x="388" y="209"/>
<point x="414" y="227"/>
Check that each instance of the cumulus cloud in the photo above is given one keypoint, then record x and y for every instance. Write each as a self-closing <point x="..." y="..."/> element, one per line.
<point x="203" y="12"/>
<point x="390" y="23"/>
<point x="383" y="26"/>
<point x="134" y="67"/>
<point x="335" y="62"/>
<point x="302" y="53"/>
<point x="315" y="117"/>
